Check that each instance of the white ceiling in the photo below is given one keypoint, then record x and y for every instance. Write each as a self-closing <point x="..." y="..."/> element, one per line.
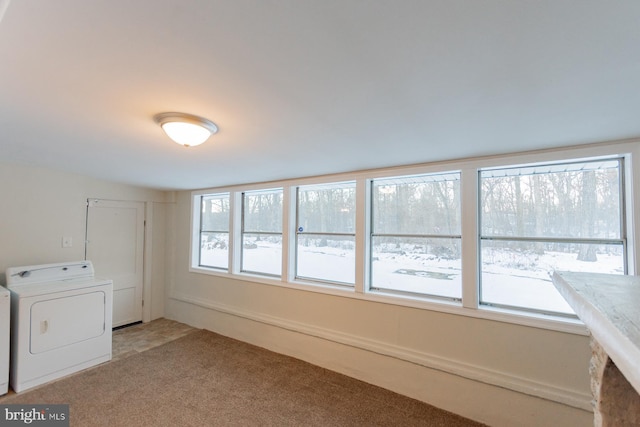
<point x="309" y="87"/>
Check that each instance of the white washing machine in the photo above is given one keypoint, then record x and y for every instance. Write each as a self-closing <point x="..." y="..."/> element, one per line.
<point x="60" y="321"/>
<point x="5" y="307"/>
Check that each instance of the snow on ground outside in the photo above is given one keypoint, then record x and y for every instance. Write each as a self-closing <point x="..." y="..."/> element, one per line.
<point x="502" y="282"/>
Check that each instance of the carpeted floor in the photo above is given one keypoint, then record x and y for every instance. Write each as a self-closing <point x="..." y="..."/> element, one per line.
<point x="205" y="379"/>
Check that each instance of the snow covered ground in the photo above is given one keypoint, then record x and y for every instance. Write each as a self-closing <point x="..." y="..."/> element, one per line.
<point x="524" y="279"/>
<point x="510" y="278"/>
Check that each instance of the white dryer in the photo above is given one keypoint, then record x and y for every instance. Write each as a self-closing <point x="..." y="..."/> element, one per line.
<point x="60" y="321"/>
<point x="5" y="308"/>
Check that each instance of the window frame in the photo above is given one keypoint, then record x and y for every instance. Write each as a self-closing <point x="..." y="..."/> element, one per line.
<point x="469" y="193"/>
<point x="621" y="241"/>
<point x="370" y="286"/>
<point x="202" y="199"/>
<point x="314" y="280"/>
<point x="243" y="232"/>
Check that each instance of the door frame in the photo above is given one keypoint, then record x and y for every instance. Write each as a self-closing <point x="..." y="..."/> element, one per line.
<point x="146" y="250"/>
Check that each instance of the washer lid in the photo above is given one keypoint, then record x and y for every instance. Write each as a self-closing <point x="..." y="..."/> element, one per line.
<point x="18" y="276"/>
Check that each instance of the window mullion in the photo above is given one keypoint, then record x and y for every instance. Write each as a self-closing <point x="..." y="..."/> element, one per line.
<point x="288" y="225"/>
<point x="418" y="236"/>
<point x="196" y="237"/>
<point x="626" y="213"/>
<point x="361" y="253"/>
<point x="235" y="231"/>
<point x="554" y="240"/>
<point x="200" y="228"/>
<point x="469" y="229"/>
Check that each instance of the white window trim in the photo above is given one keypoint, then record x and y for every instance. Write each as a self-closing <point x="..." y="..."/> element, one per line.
<point x="293" y="225"/>
<point x="194" y="247"/>
<point x="242" y="232"/>
<point x="622" y="240"/>
<point x="469" y="307"/>
<point x="370" y="182"/>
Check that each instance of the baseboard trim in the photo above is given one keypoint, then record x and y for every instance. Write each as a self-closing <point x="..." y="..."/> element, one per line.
<point x="476" y="373"/>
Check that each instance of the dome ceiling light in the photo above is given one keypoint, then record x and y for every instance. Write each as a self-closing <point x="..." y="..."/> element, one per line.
<point x="186" y="129"/>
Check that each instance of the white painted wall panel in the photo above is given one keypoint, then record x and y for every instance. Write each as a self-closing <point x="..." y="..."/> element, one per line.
<point x="40" y="206"/>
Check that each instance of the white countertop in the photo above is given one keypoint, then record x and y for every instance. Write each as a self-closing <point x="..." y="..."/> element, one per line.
<point x="609" y="305"/>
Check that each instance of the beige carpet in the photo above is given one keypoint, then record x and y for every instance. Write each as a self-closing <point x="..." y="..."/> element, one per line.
<point x="205" y="379"/>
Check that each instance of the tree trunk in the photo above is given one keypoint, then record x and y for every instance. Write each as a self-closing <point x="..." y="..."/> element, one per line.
<point x="587" y="253"/>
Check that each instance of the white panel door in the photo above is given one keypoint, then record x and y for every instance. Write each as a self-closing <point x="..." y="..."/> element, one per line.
<point x="115" y="245"/>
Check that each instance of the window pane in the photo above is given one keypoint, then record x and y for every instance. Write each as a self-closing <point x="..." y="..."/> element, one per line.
<point x="327" y="208"/>
<point x="215" y="212"/>
<point x="517" y="274"/>
<point x="578" y="200"/>
<point x="262" y="253"/>
<point x="214" y="250"/>
<point x="426" y="204"/>
<point x="327" y="258"/>
<point x="263" y="211"/>
<point x="417" y="265"/>
<point x="214" y="231"/>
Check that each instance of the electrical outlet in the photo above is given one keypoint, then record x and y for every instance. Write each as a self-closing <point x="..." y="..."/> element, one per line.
<point x="67" y="242"/>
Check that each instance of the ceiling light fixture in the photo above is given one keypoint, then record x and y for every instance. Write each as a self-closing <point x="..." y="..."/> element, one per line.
<point x="186" y="129"/>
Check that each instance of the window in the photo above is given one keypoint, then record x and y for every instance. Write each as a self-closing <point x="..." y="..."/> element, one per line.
<point x="479" y="238"/>
<point x="325" y="233"/>
<point x="262" y="232"/>
<point x="214" y="231"/>
<point x="538" y="219"/>
<point x="415" y="235"/>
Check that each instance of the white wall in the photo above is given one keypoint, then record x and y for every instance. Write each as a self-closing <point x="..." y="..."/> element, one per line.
<point x="498" y="373"/>
<point x="159" y="253"/>
<point x="40" y="206"/>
